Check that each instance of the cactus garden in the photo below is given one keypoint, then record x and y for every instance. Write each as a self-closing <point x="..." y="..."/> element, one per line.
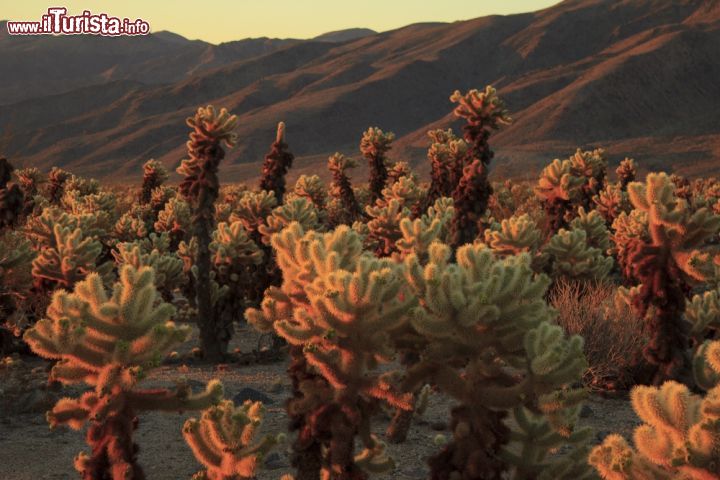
<point x="335" y="327"/>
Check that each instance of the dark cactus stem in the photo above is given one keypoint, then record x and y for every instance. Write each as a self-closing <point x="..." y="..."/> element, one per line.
<point x="276" y="165"/>
<point x="663" y="289"/>
<point x="483" y="112"/>
<point x="307" y="448"/>
<point x="378" y="177"/>
<point x="473" y="453"/>
<point x="555" y="216"/>
<point x="12" y="200"/>
<point x="113" y="450"/>
<point x="342" y="188"/>
<point x="202" y="187"/>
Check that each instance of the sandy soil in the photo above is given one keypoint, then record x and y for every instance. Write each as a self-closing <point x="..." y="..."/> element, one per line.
<point x="29" y="450"/>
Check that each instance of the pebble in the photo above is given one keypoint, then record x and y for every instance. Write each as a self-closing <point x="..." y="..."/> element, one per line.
<point x="439" y="426"/>
<point x="586" y="411"/>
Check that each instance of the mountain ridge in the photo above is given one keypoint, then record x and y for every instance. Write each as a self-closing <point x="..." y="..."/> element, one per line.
<point x="635" y="77"/>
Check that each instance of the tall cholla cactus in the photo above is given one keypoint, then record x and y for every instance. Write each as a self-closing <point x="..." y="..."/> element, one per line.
<point x="109" y="341"/>
<point x="276" y="165"/>
<point x="663" y="265"/>
<point x="15" y="282"/>
<point x="445" y="154"/>
<point x="626" y="172"/>
<point x="202" y="186"/>
<point x="337" y="307"/>
<point x="557" y="187"/>
<point x="492" y="347"/>
<point x="11" y="196"/>
<point x="515" y="235"/>
<point x="154" y="174"/>
<point x="221" y="441"/>
<point x="679" y="436"/>
<point x="374" y="145"/>
<point x="483" y="112"/>
<point x="341" y="190"/>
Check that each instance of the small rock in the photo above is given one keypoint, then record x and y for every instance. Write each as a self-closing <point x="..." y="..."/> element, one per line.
<point x="277" y="387"/>
<point x="248" y="393"/>
<point x="275" y="461"/>
<point x="439" y="426"/>
<point x="586" y="411"/>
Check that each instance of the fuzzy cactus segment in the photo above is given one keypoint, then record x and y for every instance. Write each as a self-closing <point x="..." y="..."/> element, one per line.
<point x="222" y="440"/>
<point x="342" y="192"/>
<point x="108" y="340"/>
<point x="514" y="236"/>
<point x="154" y="174"/>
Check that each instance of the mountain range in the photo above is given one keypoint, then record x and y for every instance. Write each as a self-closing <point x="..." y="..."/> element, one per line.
<point x="636" y="77"/>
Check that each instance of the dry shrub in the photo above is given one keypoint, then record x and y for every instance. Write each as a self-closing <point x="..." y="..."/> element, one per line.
<point x="613" y="333"/>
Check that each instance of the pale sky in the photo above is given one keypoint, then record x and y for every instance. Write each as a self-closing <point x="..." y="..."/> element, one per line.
<point x="218" y="21"/>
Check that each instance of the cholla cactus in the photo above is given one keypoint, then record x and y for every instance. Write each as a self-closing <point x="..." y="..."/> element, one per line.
<point x="56" y="183"/>
<point x="312" y="188"/>
<point x="108" y="342"/>
<point x="626" y="172"/>
<point x="557" y="187"/>
<point x="168" y="267"/>
<point x="252" y="210"/>
<point x="296" y="210"/>
<point x="70" y="258"/>
<point x="15" y="282"/>
<point x="419" y="234"/>
<point x="238" y="265"/>
<point x="29" y="180"/>
<point x="663" y="265"/>
<point x="348" y="209"/>
<point x="374" y="145"/>
<point x="399" y="170"/>
<point x="175" y="219"/>
<point x="154" y="174"/>
<point x="337" y="307"/>
<point x="523" y="365"/>
<point x="222" y="441"/>
<point x="276" y="165"/>
<point x="11" y="197"/>
<point x="202" y="186"/>
<point x="446" y="155"/>
<point x="572" y="256"/>
<point x="594" y="226"/>
<point x="483" y="112"/>
<point x="612" y="201"/>
<point x="516" y="235"/>
<point x="133" y="225"/>
<point x="678" y="439"/>
<point x="160" y="197"/>
<point x="591" y="166"/>
<point x="384" y="225"/>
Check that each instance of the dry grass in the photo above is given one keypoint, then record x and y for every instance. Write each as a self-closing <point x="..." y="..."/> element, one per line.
<point x="613" y="334"/>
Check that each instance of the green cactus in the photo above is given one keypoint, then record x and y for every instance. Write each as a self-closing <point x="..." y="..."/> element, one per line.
<point x="252" y="209"/>
<point x="337" y="308"/>
<point x="515" y="235"/>
<point x="483" y="113"/>
<point x="594" y="226"/>
<point x="16" y="258"/>
<point x="108" y="341"/>
<point x="222" y="441"/>
<point x="446" y="155"/>
<point x="168" y="267"/>
<point x="56" y="184"/>
<point x="492" y="348"/>
<point x="399" y="170"/>
<point x="612" y="201"/>
<point x="296" y="210"/>
<point x="678" y="439"/>
<point x="572" y="256"/>
<point x="276" y="165"/>
<point x="374" y="146"/>
<point x="201" y="187"/>
<point x="312" y="188"/>
<point x="664" y="265"/>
